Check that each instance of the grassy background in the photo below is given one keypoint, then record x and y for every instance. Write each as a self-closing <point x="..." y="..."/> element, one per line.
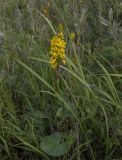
<point x="74" y="113"/>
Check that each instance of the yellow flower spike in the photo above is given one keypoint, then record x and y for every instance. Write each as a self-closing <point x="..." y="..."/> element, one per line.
<point x="57" y="50"/>
<point x="45" y="11"/>
<point x="72" y="35"/>
<point x="61" y="27"/>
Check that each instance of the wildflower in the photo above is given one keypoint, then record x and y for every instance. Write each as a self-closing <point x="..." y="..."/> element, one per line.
<point x="61" y="27"/>
<point x="72" y="35"/>
<point x="45" y="11"/>
<point x="57" y="50"/>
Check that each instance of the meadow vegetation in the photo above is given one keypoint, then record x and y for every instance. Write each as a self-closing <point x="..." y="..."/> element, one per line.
<point x="61" y="80"/>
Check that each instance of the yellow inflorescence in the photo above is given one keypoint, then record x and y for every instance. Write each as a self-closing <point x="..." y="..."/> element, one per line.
<point x="45" y="11"/>
<point x="72" y="35"/>
<point x="61" y="27"/>
<point x="57" y="50"/>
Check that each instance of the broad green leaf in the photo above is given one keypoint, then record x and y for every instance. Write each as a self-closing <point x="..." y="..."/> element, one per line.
<point x="56" y="144"/>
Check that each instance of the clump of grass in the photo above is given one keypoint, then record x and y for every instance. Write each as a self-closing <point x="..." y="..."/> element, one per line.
<point x="74" y="111"/>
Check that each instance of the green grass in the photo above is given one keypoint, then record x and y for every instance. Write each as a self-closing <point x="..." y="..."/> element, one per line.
<point x="74" y="112"/>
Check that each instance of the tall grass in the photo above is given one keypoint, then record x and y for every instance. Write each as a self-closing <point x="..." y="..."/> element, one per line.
<point x="74" y="112"/>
